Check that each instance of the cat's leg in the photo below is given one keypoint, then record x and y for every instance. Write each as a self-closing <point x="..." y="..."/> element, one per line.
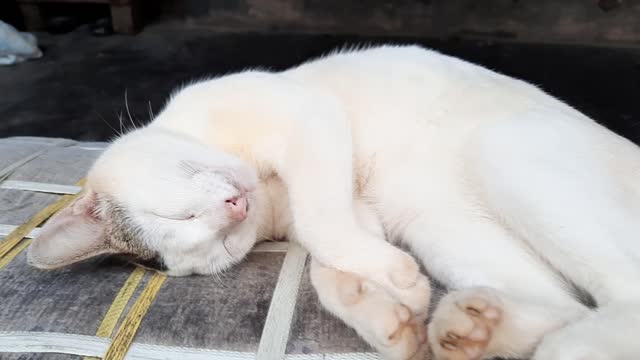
<point x="383" y="322"/>
<point x="572" y="190"/>
<point x="483" y="323"/>
<point x="367" y="218"/>
<point x="317" y="168"/>
<point x="504" y="299"/>
<point x="556" y="189"/>
<point x="380" y="320"/>
<point x="608" y="333"/>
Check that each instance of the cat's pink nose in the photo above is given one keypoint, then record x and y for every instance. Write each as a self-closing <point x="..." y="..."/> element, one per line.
<point x="238" y="207"/>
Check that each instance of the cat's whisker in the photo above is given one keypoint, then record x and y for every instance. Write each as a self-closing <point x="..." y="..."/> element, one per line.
<point x="121" y="124"/>
<point x="109" y="125"/>
<point x="232" y="274"/>
<point x="126" y="105"/>
<point x="224" y="279"/>
<point x="217" y="278"/>
<point x="216" y="271"/>
<point x="151" y="115"/>
<point x="224" y="245"/>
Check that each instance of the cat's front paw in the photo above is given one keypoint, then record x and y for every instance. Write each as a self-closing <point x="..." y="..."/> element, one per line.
<point x="392" y="328"/>
<point x="400" y="276"/>
<point x="401" y="336"/>
<point x="463" y="324"/>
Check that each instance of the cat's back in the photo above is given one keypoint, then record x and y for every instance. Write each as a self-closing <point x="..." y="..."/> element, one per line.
<point x="408" y="75"/>
<point x="419" y="96"/>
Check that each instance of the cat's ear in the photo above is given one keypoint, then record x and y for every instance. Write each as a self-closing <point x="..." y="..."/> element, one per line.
<point x="73" y="234"/>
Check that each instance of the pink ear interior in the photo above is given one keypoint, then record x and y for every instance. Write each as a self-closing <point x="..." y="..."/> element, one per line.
<point x="72" y="235"/>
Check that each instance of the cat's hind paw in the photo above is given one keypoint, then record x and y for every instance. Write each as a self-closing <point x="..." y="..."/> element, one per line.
<point x="463" y="324"/>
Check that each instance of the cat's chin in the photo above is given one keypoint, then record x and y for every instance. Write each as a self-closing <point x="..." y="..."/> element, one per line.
<point x="181" y="273"/>
<point x="205" y="271"/>
<point x="217" y="264"/>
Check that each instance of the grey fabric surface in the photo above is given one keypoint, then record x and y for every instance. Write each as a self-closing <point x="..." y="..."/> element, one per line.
<point x="18" y="206"/>
<point x="44" y="356"/>
<point x="68" y="300"/>
<point x="225" y="313"/>
<point x="12" y="152"/>
<point x="59" y="165"/>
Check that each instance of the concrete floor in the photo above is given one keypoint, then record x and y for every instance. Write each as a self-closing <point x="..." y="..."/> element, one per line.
<point x="78" y="88"/>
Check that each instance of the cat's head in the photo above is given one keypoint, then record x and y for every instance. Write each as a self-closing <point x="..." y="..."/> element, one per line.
<point x="164" y="200"/>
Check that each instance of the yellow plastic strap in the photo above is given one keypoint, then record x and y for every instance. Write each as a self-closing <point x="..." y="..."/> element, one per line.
<point x="117" y="306"/>
<point x="4" y="261"/>
<point x="16" y="236"/>
<point x="127" y="331"/>
<point x="119" y="303"/>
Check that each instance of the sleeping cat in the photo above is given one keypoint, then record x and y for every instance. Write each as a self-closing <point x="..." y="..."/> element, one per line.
<point x="506" y="195"/>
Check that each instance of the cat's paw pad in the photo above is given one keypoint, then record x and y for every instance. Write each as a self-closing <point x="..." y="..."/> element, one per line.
<point x="405" y="272"/>
<point x="463" y="324"/>
<point x="389" y="326"/>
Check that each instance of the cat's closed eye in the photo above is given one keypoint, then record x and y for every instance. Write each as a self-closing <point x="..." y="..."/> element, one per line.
<point x="179" y="217"/>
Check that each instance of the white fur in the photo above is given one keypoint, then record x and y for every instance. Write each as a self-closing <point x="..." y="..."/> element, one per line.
<point x="496" y="186"/>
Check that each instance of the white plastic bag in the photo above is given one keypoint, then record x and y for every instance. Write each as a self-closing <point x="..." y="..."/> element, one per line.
<point x="16" y="46"/>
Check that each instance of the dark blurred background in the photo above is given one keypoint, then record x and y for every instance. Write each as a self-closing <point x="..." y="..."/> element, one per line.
<point x="586" y="52"/>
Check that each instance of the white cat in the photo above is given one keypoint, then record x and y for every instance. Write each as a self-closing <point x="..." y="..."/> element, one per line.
<point x="506" y="195"/>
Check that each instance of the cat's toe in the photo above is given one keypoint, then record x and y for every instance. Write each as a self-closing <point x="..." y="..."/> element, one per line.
<point x="416" y="298"/>
<point x="406" y="284"/>
<point x="389" y="329"/>
<point x="386" y="324"/>
<point x="404" y="272"/>
<point x="482" y="304"/>
<point x="463" y="323"/>
<point x="422" y="352"/>
<point x="408" y="342"/>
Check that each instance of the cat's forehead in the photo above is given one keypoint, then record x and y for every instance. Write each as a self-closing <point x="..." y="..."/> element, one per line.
<point x="142" y="158"/>
<point x="118" y="174"/>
